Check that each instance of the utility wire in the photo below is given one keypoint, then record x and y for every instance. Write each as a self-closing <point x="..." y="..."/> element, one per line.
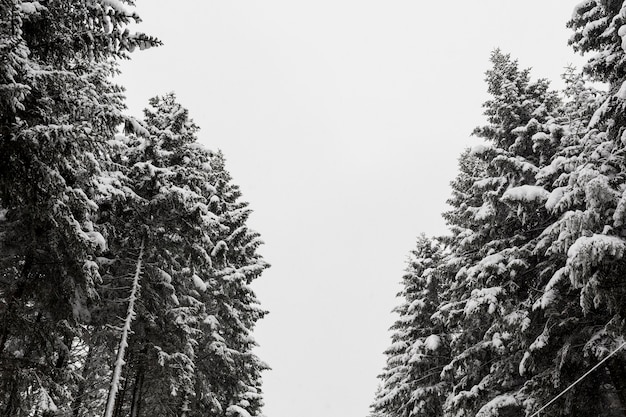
<point x="578" y="380"/>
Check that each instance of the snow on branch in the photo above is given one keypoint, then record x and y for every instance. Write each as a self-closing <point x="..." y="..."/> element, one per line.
<point x="526" y="193"/>
<point x="588" y="252"/>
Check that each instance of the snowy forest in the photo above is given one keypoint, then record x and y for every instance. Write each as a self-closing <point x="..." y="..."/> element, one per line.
<point x="508" y="314"/>
<point x="125" y="256"/>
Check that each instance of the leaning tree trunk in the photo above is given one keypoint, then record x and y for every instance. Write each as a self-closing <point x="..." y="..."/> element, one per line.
<point x="130" y="315"/>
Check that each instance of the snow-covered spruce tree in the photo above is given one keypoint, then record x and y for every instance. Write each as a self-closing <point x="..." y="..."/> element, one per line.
<point x="559" y="327"/>
<point x="498" y="213"/>
<point x="581" y="307"/>
<point x="57" y="109"/>
<point x="410" y="383"/>
<point x="190" y="353"/>
<point x="229" y="371"/>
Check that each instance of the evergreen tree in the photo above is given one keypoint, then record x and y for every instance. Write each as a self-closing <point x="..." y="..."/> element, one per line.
<point x="410" y="381"/>
<point x="77" y="200"/>
<point x="497" y="214"/>
<point x="190" y="351"/>
<point x="57" y="109"/>
<point x="582" y="319"/>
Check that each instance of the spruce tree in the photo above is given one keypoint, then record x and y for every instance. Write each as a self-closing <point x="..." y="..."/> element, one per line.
<point x="410" y="382"/>
<point x="580" y="315"/>
<point x="57" y="109"/>
<point x="190" y="353"/>
<point x="497" y="214"/>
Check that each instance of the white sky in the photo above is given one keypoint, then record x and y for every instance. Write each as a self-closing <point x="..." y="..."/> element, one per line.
<point x="342" y="121"/>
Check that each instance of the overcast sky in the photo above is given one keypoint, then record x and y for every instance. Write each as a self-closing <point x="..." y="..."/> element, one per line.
<point x="342" y="121"/>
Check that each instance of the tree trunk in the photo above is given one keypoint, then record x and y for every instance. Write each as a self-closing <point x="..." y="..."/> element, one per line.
<point x="119" y="401"/>
<point x="130" y="315"/>
<point x="136" y="400"/>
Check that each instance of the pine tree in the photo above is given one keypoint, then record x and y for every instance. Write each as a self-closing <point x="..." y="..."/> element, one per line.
<point x="190" y="351"/>
<point x="531" y="273"/>
<point x="57" y="110"/>
<point x="76" y="200"/>
<point x="410" y="382"/>
<point x="580" y="317"/>
<point x="497" y="214"/>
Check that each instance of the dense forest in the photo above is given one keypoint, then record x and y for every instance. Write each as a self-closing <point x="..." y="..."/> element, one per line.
<point x="125" y="258"/>
<point x="520" y="310"/>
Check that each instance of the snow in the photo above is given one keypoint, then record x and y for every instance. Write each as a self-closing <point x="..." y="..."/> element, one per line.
<point x="599" y="113"/>
<point x="518" y="318"/>
<point x="554" y="198"/>
<point x="541" y="341"/>
<point x="97" y="239"/>
<point x="235" y="410"/>
<point x="589" y="251"/>
<point x="418" y="304"/>
<point x="199" y="283"/>
<point x="493" y="407"/>
<point x="526" y="193"/>
<point x="621" y="93"/>
<point x="583" y="4"/>
<point x="432" y="342"/>
<point x="116" y="5"/>
<point x="494" y="261"/>
<point x="483" y="296"/>
<point x="479" y="149"/>
<point x="31" y="7"/>
<point x="165" y="276"/>
<point x="484" y="212"/>
<point x="619" y="216"/>
<point x="598" y="191"/>
<point x="219" y="247"/>
<point x="622" y="33"/>
<point x="540" y="137"/>
<point x="596" y="246"/>
<point x="46" y="403"/>
<point x="496" y="342"/>
<point x="211" y="321"/>
<point x="594" y="25"/>
<point x="137" y="128"/>
<point x="556" y="164"/>
<point x="523" y="363"/>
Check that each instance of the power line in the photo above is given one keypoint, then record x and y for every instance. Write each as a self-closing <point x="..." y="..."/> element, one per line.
<point x="578" y="380"/>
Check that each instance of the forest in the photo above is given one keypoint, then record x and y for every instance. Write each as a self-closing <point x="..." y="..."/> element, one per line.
<point x="126" y="256"/>
<point x="520" y="311"/>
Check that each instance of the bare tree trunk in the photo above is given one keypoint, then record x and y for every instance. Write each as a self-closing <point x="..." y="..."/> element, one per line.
<point x="119" y="401"/>
<point x="130" y="315"/>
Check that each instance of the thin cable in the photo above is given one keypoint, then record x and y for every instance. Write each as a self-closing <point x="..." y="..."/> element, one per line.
<point x="578" y="380"/>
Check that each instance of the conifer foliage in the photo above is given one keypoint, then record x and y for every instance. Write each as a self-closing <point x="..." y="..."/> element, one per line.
<point x="530" y="279"/>
<point x="78" y="199"/>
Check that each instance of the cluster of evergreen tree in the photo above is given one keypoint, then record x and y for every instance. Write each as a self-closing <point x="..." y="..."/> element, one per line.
<point x="114" y="242"/>
<point x="527" y="292"/>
